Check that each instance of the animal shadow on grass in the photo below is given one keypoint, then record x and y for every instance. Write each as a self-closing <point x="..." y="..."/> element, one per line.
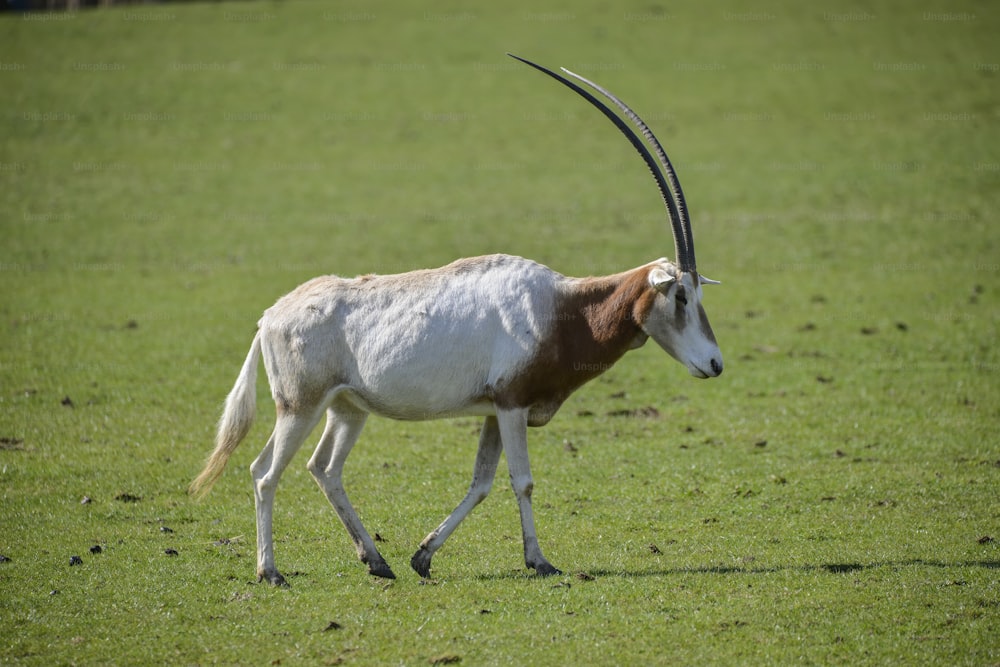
<point x="833" y="568"/>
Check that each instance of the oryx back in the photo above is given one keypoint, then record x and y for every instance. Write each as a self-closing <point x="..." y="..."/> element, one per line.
<point x="419" y="345"/>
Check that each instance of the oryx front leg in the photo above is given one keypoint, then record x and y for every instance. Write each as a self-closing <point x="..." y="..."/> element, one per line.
<point x="343" y="426"/>
<point x="485" y="470"/>
<point x="514" y="434"/>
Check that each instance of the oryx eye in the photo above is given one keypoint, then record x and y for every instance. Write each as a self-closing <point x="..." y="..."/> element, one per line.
<point x="681" y="297"/>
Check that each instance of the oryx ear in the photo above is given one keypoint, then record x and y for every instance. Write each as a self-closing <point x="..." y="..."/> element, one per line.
<point x="708" y="281"/>
<point x="660" y="279"/>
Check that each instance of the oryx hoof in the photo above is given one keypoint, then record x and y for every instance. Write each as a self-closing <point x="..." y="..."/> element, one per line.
<point x="545" y="569"/>
<point x="272" y="577"/>
<point x="379" y="568"/>
<point x="421" y="562"/>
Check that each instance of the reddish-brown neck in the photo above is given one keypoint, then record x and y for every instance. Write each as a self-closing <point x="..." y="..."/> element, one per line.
<point x="595" y="322"/>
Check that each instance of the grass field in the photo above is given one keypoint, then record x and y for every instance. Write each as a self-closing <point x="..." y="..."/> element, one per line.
<point x="168" y="171"/>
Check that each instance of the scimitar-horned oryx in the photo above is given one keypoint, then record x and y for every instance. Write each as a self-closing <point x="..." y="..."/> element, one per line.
<point x="498" y="337"/>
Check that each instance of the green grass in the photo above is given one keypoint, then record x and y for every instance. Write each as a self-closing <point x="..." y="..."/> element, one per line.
<point x="168" y="171"/>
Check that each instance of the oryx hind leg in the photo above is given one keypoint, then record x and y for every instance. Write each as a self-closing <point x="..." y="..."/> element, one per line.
<point x="344" y="422"/>
<point x="290" y="431"/>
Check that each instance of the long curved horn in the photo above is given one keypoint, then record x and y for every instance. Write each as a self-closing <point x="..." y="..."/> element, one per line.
<point x="668" y="168"/>
<point x="676" y="210"/>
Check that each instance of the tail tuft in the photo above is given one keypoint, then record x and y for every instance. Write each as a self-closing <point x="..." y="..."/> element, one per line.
<point x="237" y="418"/>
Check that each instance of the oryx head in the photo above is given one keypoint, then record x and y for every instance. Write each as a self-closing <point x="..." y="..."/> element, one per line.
<point x="677" y="321"/>
<point x="675" y="318"/>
